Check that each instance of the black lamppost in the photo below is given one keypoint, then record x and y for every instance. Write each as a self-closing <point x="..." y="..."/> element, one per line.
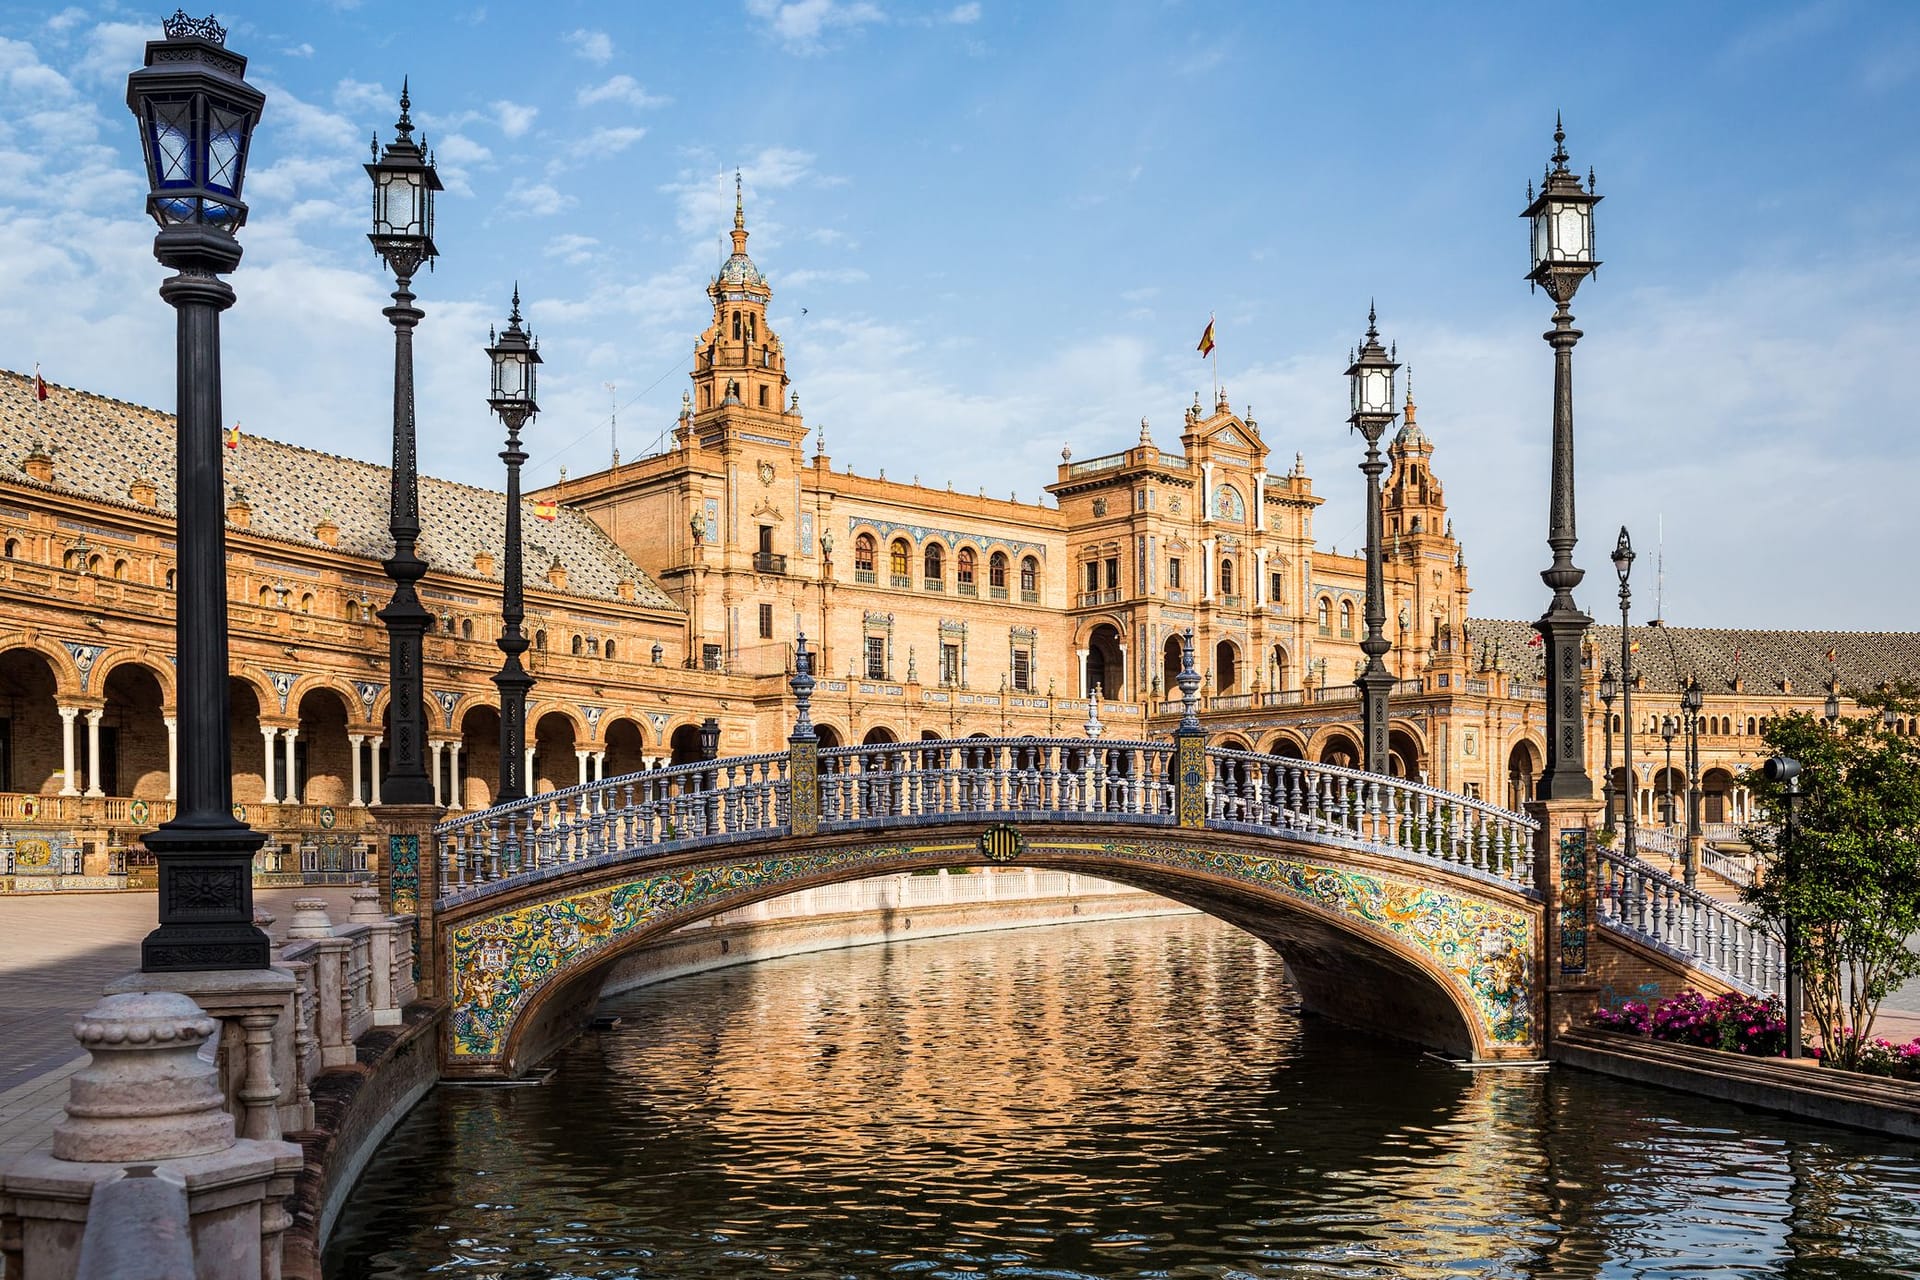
<point x="1370" y="378"/>
<point x="1831" y="712"/>
<point x="196" y="114"/>
<point x="514" y="359"/>
<point x="709" y="751"/>
<point x="1562" y="222"/>
<point x="1609" y="690"/>
<point x="404" y="184"/>
<point x="1690" y="702"/>
<point x="1668" y="727"/>
<point x="1623" y="566"/>
<point x="1785" y="771"/>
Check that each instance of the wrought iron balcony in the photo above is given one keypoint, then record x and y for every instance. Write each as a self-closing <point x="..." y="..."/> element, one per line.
<point x="769" y="562"/>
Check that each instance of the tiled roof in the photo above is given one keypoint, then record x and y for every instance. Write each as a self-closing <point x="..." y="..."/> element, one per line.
<point x="1669" y="655"/>
<point x="102" y="445"/>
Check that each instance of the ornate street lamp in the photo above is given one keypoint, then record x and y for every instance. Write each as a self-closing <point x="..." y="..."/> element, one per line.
<point x="404" y="184"/>
<point x="1561" y="218"/>
<point x="1831" y="712"/>
<point x="1785" y="771"/>
<point x="1609" y="690"/>
<point x="709" y="739"/>
<point x="1668" y="728"/>
<point x="1370" y="379"/>
<point x="196" y="114"/>
<point x="515" y="361"/>
<point x="1623" y="566"/>
<point x="1691" y="702"/>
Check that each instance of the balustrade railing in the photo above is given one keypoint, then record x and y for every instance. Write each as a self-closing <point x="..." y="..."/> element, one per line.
<point x="1017" y="778"/>
<point x="1650" y="905"/>
<point x="1391" y="815"/>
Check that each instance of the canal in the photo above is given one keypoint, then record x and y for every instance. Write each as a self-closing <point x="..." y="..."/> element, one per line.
<point x="1132" y="1099"/>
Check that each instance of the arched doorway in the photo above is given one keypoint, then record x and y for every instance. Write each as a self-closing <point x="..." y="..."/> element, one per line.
<point x="1287" y="748"/>
<point x="479" y="757"/>
<point x="1716" y="796"/>
<point x="133" y="736"/>
<point x="1170" y="667"/>
<point x="322" y="762"/>
<point x="626" y="749"/>
<point x="1226" y="667"/>
<point x="1404" y="759"/>
<point x="30" y="729"/>
<point x="1280" y="670"/>
<point x="1523" y="768"/>
<point x="555" y="766"/>
<point x="1106" y="666"/>
<point x="1341" y="748"/>
<point x="684" y="745"/>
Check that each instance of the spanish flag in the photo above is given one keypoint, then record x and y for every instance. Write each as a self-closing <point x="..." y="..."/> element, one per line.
<point x="39" y="384"/>
<point x="1634" y="647"/>
<point x="233" y="436"/>
<point x="1833" y="654"/>
<point x="1206" y="339"/>
<point x="545" y="510"/>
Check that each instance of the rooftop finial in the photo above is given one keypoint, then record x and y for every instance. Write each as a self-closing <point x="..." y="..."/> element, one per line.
<point x="180" y="26"/>
<point x="1559" y="145"/>
<point x="514" y="319"/>
<point x="404" y="125"/>
<point x="739" y="206"/>
<point x="1373" y="327"/>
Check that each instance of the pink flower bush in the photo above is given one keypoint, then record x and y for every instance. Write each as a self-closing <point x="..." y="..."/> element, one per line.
<point x="1743" y="1024"/>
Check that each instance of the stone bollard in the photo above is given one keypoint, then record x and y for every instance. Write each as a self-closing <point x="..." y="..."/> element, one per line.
<point x="310" y="919"/>
<point x="380" y="941"/>
<point x="147" y="1094"/>
<point x="146" y="1176"/>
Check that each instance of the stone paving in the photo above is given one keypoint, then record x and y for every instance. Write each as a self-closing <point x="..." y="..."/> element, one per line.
<point x="57" y="951"/>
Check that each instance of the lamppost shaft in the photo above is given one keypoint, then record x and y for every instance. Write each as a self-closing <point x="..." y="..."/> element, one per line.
<point x="1632" y="803"/>
<point x="1376" y="682"/>
<point x="406" y="782"/>
<point x="1563" y="626"/>
<point x="1606" y="780"/>
<point x="513" y="681"/>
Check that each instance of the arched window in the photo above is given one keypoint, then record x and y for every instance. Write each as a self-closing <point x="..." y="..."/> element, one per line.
<point x="13" y="548"/>
<point x="863" y="549"/>
<point x="1324" y="612"/>
<point x="170" y="579"/>
<point x="963" y="567"/>
<point x="607" y="649"/>
<point x="1226" y="575"/>
<point x="466" y="628"/>
<point x="997" y="570"/>
<point x="1029" y="576"/>
<point x="540" y="640"/>
<point x="1346" y="617"/>
<point x="446" y="623"/>
<point x="96" y="564"/>
<point x="935" y="564"/>
<point x="266" y="597"/>
<point x="120" y="570"/>
<point x="897" y="556"/>
<point x="306" y="602"/>
<point x="579" y="646"/>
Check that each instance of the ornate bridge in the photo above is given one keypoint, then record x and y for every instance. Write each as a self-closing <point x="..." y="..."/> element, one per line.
<point x="1397" y="906"/>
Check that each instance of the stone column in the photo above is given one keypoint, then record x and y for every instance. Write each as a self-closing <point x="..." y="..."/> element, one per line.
<point x="453" y="771"/>
<point x="356" y="741"/>
<point x="373" y="758"/>
<point x="599" y="766"/>
<point x="173" y="756"/>
<point x="1260" y="576"/>
<point x="291" y="791"/>
<point x="1082" y="686"/>
<point x="529" y="772"/>
<point x="1119" y="691"/>
<point x="1563" y="987"/>
<point x="93" y="751"/>
<point x="1206" y="491"/>
<point x="1206" y="568"/>
<point x="434" y="746"/>
<point x="268" y="794"/>
<point x="580" y="758"/>
<point x="1260" y="501"/>
<point x="67" y="788"/>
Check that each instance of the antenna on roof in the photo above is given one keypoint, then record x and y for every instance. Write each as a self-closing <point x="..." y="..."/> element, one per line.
<point x="1660" y="571"/>
<point x="613" y="423"/>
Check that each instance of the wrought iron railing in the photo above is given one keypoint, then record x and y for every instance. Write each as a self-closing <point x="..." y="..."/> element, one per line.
<point x="861" y="787"/>
<point x="1654" y="907"/>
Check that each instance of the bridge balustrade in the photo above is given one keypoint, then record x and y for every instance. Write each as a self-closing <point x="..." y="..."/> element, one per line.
<point x="1654" y="907"/>
<point x="1404" y="818"/>
<point x="995" y="776"/>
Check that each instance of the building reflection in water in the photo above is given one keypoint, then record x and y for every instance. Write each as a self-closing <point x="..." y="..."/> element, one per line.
<point x="1102" y="1100"/>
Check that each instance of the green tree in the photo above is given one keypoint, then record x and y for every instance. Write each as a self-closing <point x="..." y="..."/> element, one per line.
<point x="1848" y="875"/>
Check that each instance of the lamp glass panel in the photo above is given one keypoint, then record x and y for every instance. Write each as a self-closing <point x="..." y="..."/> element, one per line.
<point x="226" y="149"/>
<point x="1377" y="394"/>
<point x="170" y="143"/>
<point x="1540" y="239"/>
<point x="1570" y="233"/>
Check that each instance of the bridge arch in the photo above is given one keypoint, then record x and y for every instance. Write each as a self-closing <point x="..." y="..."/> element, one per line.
<point x="1448" y="962"/>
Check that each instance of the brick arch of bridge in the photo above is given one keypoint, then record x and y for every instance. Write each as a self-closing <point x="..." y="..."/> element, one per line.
<point x="1411" y="950"/>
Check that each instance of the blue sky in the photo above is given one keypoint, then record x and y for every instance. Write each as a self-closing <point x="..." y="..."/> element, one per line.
<point x="1008" y="224"/>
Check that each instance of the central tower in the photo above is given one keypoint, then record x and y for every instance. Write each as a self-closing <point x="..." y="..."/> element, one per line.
<point x="738" y="363"/>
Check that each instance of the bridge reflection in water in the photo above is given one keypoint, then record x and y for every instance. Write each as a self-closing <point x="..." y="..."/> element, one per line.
<point x="1096" y="1100"/>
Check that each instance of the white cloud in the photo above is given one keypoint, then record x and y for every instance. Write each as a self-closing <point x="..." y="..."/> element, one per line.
<point x="621" y="88"/>
<point x="514" y="118"/>
<point x="301" y="50"/>
<point x="573" y="249"/>
<point x="822" y="275"/>
<point x="800" y="25"/>
<point x="114" y="49"/>
<point x="66" y="20"/>
<point x="537" y="200"/>
<point x="361" y="97"/>
<point x="962" y="15"/>
<point x="706" y="202"/>
<point x="595" y="46"/>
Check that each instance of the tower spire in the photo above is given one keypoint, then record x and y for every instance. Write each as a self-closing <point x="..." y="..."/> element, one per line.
<point x="739" y="216"/>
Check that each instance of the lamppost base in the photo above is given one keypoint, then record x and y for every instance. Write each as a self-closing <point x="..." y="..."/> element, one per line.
<point x="206" y="899"/>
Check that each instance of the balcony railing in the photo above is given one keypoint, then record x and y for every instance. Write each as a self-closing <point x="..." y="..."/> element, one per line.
<point x="769" y="562"/>
<point x="866" y="577"/>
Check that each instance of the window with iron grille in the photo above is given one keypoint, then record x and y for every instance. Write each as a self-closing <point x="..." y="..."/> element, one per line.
<point x="876" y="657"/>
<point x="766" y="622"/>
